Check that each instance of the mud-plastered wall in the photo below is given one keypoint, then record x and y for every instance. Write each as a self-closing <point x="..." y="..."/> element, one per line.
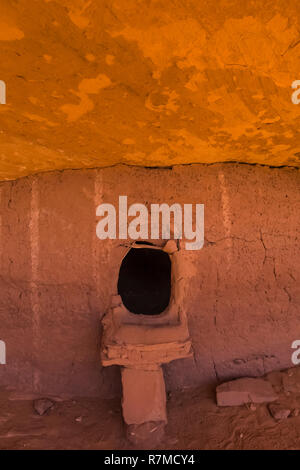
<point x="57" y="277"/>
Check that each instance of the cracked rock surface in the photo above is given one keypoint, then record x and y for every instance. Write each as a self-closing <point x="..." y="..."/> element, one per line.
<point x="96" y="83"/>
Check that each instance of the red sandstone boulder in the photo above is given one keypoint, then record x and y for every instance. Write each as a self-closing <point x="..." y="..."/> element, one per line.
<point x="245" y="390"/>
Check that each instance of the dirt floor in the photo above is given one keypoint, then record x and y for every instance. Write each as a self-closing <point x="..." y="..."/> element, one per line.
<point x="195" y="422"/>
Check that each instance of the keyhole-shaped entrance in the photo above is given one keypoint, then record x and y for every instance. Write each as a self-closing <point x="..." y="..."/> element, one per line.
<point x="145" y="281"/>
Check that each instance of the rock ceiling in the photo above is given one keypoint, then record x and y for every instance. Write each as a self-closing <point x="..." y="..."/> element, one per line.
<point x="93" y="83"/>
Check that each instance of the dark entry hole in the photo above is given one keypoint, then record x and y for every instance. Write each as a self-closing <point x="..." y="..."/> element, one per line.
<point x="145" y="281"/>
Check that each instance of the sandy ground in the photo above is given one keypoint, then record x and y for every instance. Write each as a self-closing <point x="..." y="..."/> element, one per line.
<point x="195" y="422"/>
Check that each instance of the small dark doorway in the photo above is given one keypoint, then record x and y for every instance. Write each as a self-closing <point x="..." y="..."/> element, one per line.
<point x="145" y="281"/>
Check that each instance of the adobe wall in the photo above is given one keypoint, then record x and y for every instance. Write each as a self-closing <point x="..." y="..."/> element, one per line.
<point x="57" y="277"/>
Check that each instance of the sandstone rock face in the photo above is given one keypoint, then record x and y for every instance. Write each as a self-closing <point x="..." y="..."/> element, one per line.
<point x="245" y="390"/>
<point x="99" y="83"/>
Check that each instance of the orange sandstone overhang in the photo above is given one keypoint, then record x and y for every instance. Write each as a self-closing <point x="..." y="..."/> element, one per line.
<point x="94" y="83"/>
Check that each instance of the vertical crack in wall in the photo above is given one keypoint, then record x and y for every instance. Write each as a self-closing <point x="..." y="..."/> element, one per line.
<point x="288" y="294"/>
<point x="216" y="371"/>
<point x="264" y="246"/>
<point x="285" y="289"/>
<point x="34" y="296"/>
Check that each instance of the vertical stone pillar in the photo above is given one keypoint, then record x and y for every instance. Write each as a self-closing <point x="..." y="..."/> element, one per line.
<point x="144" y="404"/>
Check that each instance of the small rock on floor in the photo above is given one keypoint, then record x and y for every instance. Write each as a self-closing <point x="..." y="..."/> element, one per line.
<point x="278" y="411"/>
<point x="42" y="405"/>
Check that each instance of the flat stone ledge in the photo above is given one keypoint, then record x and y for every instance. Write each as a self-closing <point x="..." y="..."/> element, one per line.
<point x="245" y="390"/>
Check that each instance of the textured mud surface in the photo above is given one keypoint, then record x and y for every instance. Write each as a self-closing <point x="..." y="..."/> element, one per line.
<point x="242" y="291"/>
